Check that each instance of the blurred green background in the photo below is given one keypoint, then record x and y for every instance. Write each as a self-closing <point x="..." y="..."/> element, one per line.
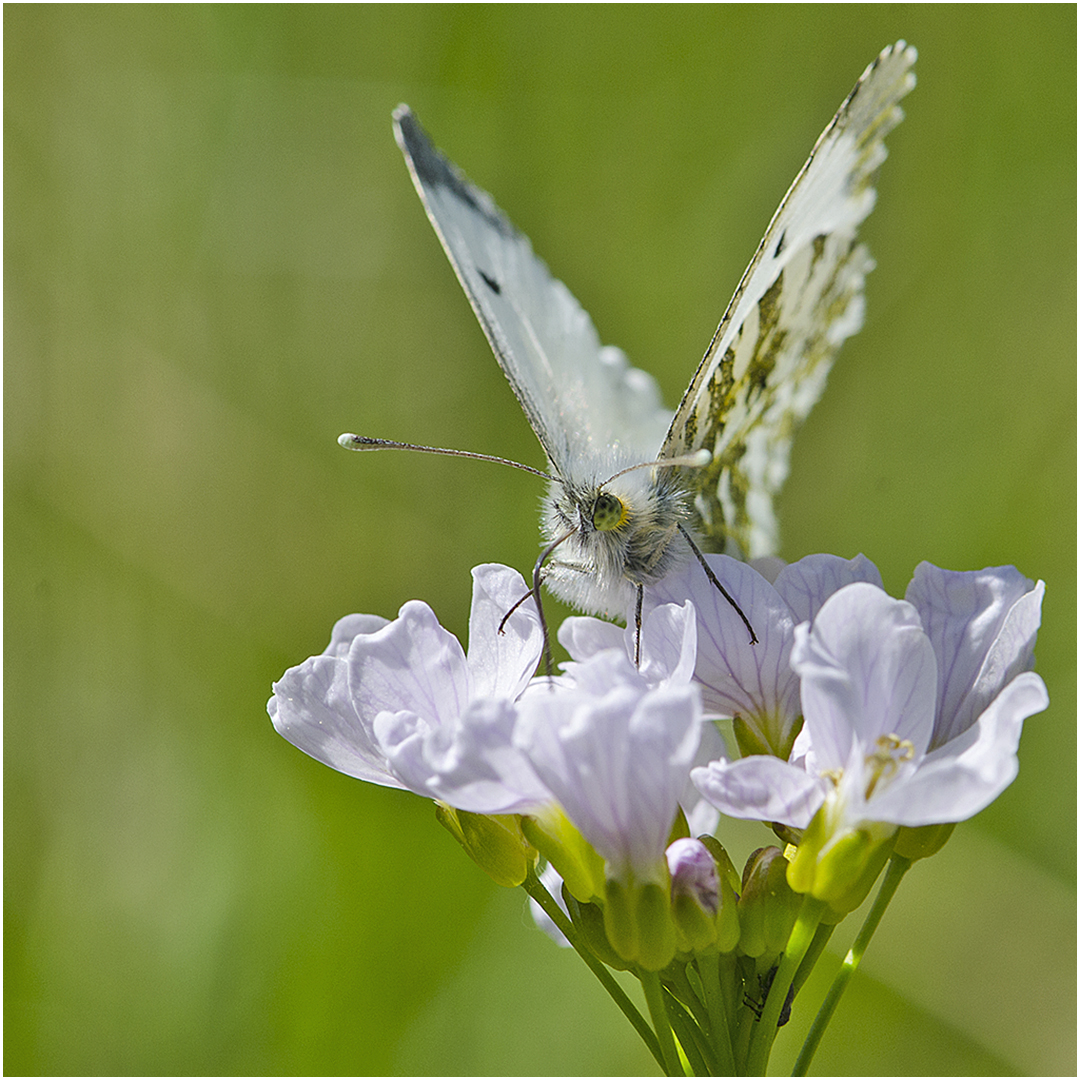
<point x="215" y="263"/>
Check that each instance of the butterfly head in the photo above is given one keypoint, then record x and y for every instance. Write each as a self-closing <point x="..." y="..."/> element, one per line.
<point x="615" y="534"/>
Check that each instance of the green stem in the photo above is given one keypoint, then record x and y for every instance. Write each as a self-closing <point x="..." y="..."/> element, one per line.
<point x="680" y="988"/>
<point x="898" y="867"/>
<point x="690" y="1036"/>
<point x="536" y="890"/>
<point x="709" y="971"/>
<point x="799" y="942"/>
<point x="654" y="998"/>
<point x="813" y="954"/>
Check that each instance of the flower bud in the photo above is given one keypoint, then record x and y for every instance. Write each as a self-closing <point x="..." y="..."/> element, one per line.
<point x="493" y="841"/>
<point x="923" y="841"/>
<point x="768" y="907"/>
<point x="695" y="894"/>
<point x="727" y="917"/>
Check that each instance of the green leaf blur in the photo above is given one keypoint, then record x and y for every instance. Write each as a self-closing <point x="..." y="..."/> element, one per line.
<point x="216" y="263"/>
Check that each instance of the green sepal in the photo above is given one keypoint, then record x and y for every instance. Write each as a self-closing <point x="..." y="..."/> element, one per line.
<point x="768" y="906"/>
<point x="841" y="872"/>
<point x="727" y="915"/>
<point x="753" y="739"/>
<point x="495" y="842"/>
<point x="924" y="841"/>
<point x="553" y="835"/>
<point x="724" y="866"/>
<point x="637" y="921"/>
<point x="695" y="928"/>
<point x="589" y="920"/>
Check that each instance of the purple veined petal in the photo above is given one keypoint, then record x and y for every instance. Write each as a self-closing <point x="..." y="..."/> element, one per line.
<point x="963" y="777"/>
<point x="410" y="665"/>
<point x="668" y="644"/>
<point x="313" y="709"/>
<point x="737" y="678"/>
<point x="808" y="583"/>
<point x="867" y="671"/>
<point x="761" y="788"/>
<point x="982" y="625"/>
<point x="470" y="764"/>
<point x="615" y="763"/>
<point x="500" y="664"/>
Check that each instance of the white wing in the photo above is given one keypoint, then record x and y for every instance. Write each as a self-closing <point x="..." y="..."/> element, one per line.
<point x="584" y="401"/>
<point x="800" y="297"/>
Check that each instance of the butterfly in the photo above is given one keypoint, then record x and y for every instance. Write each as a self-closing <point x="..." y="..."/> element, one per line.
<point x="632" y="489"/>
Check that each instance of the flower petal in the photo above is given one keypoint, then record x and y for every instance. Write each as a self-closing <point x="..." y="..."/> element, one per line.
<point x="470" y="764"/>
<point x="615" y="763"/>
<point x="761" y="788"/>
<point x="410" y="665"/>
<point x="501" y="662"/>
<point x="313" y="709"/>
<point x="964" y="776"/>
<point x="737" y="678"/>
<point x="808" y="583"/>
<point x="982" y="625"/>
<point x="867" y="671"/>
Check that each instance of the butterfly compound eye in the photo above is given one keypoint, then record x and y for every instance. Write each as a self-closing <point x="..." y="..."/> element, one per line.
<point x="608" y="513"/>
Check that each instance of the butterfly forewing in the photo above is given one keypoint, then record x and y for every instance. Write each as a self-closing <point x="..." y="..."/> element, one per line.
<point x="799" y="299"/>
<point x="580" y="397"/>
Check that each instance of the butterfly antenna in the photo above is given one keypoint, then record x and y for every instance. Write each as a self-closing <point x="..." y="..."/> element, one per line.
<point x="365" y="442"/>
<point x="716" y="584"/>
<point x="697" y="460"/>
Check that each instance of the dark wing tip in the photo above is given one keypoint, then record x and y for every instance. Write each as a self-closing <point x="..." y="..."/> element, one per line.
<point x="433" y="170"/>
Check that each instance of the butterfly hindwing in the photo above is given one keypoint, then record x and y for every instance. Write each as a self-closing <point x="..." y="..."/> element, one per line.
<point x="799" y="299"/>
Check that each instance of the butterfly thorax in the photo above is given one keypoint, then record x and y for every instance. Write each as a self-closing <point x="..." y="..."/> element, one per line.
<point x="623" y="534"/>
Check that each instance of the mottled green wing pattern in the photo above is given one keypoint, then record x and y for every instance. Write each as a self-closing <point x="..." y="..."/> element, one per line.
<point x="800" y="298"/>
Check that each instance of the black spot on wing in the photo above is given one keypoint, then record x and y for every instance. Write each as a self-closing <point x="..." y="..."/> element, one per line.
<point x="491" y="283"/>
<point x="780" y="244"/>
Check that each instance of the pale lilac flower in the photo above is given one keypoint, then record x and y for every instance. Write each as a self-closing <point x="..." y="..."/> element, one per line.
<point x="876" y="712"/>
<point x="615" y="754"/>
<point x="400" y="704"/>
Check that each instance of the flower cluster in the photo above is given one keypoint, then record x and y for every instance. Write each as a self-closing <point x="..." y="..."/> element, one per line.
<point x="862" y="726"/>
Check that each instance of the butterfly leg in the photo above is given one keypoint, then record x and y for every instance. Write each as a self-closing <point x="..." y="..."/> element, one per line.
<point x="637" y="625"/>
<point x="716" y="584"/>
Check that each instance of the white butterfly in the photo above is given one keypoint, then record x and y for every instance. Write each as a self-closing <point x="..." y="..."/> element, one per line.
<point x="610" y="525"/>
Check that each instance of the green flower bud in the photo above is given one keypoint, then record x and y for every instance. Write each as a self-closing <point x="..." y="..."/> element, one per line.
<point x="768" y="907"/>
<point x="727" y="916"/>
<point x="921" y="842"/>
<point x="695" y="894"/>
<point x="493" y="841"/>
